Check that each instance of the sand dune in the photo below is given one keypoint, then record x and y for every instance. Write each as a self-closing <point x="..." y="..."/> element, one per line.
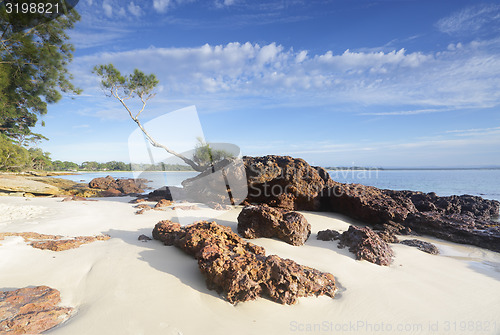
<point x="125" y="286"/>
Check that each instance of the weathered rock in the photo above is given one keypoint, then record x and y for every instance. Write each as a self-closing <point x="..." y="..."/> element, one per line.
<point x="366" y="203"/>
<point x="328" y="235"/>
<point x="367" y="245"/>
<point x="163" y="203"/>
<point x="240" y="270"/>
<point x="16" y="184"/>
<point x="283" y="181"/>
<point x="265" y="221"/>
<point x="114" y="187"/>
<point x="422" y="245"/>
<point x="31" y="310"/>
<point x="457" y="228"/>
<point x="55" y="242"/>
<point x="144" y="238"/>
<point x="76" y="198"/>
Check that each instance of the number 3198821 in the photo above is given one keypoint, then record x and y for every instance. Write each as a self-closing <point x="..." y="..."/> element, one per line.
<point x="32" y="8"/>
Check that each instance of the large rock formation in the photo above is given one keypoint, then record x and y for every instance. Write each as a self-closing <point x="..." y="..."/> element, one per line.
<point x="240" y="270"/>
<point x="116" y="187"/>
<point x="293" y="184"/>
<point x="283" y="181"/>
<point x="265" y="221"/>
<point x="31" y="310"/>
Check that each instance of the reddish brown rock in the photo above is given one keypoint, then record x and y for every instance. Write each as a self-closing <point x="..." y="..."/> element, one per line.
<point x="367" y="245"/>
<point x="163" y="203"/>
<point x="31" y="310"/>
<point x="265" y="221"/>
<point x="240" y="270"/>
<point x="55" y="242"/>
<point x="116" y="187"/>
<point x="283" y="181"/>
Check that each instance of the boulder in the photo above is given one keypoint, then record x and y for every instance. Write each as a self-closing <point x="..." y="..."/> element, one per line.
<point x="283" y="181"/>
<point x="265" y="221"/>
<point x="240" y="270"/>
<point x="422" y="245"/>
<point x="31" y="310"/>
<point x="367" y="245"/>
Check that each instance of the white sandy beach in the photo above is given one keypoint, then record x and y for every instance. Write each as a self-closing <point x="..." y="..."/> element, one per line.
<point x="125" y="286"/>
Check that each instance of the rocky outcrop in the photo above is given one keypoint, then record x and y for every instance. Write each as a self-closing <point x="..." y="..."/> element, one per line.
<point x="457" y="228"/>
<point x="18" y="184"/>
<point x="422" y="245"/>
<point x="55" y="242"/>
<point x="265" y="221"/>
<point x="117" y="187"/>
<point x="367" y="245"/>
<point x="283" y="181"/>
<point x="31" y="310"/>
<point x="240" y="270"/>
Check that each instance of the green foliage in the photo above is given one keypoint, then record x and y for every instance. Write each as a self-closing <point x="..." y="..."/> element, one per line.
<point x="33" y="73"/>
<point x="133" y="85"/>
<point x="39" y="160"/>
<point x="12" y="156"/>
<point x="204" y="155"/>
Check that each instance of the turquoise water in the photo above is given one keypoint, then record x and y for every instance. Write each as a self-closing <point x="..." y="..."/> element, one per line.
<point x="484" y="183"/>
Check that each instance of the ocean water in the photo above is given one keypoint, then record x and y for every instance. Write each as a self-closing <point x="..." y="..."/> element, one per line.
<point x="484" y="183"/>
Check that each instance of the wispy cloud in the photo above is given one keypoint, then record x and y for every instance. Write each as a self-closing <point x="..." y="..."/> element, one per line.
<point x="448" y="80"/>
<point x="471" y="19"/>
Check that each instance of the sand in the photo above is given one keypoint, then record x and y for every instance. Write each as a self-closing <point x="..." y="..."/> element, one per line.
<point x="125" y="286"/>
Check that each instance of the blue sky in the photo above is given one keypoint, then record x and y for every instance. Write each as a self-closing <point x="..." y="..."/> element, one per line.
<point x="372" y="83"/>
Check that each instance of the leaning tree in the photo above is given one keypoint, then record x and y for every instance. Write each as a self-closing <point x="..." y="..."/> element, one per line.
<point x="138" y="85"/>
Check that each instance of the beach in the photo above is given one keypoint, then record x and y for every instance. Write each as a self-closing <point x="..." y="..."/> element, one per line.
<point x="126" y="286"/>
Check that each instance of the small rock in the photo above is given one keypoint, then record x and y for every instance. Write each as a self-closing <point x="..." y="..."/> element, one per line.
<point x="328" y="235"/>
<point x="163" y="203"/>
<point x="422" y="245"/>
<point x="367" y="245"/>
<point x="144" y="238"/>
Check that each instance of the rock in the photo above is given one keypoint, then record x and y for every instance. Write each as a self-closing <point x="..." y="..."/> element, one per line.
<point x="144" y="238"/>
<point x="328" y="235"/>
<point x="143" y="206"/>
<point x="265" y="221"/>
<point x="422" y="245"/>
<point x="366" y="203"/>
<point x="116" y="187"/>
<point x="17" y="184"/>
<point x="141" y="211"/>
<point x="240" y="270"/>
<point x="224" y="183"/>
<point x="367" y="245"/>
<point x="76" y="198"/>
<point x="163" y="203"/>
<point x="31" y="310"/>
<point x="283" y="181"/>
<point x="457" y="228"/>
<point x="55" y="242"/>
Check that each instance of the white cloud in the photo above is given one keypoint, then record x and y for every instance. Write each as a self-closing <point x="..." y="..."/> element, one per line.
<point x="108" y="9"/>
<point x="456" y="78"/>
<point x="471" y="19"/>
<point x="134" y="9"/>
<point x="161" y="5"/>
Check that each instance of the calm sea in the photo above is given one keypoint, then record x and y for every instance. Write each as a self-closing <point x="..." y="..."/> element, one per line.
<point x="485" y="183"/>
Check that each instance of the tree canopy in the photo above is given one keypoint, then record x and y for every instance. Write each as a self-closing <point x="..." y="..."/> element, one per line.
<point x="33" y="72"/>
